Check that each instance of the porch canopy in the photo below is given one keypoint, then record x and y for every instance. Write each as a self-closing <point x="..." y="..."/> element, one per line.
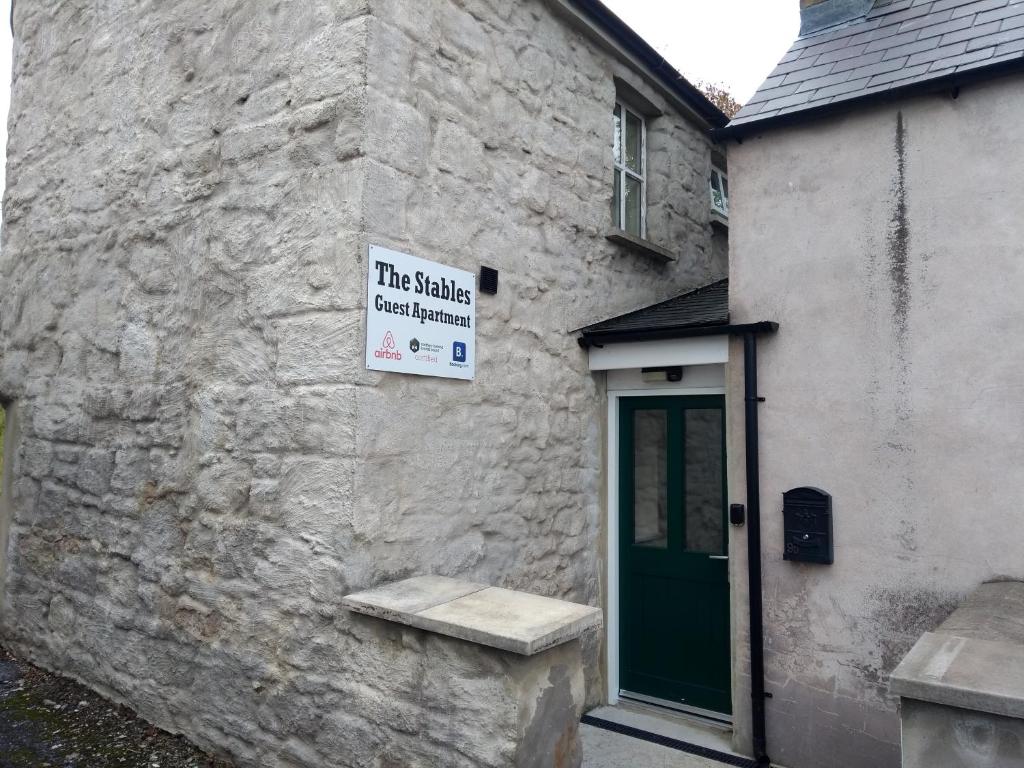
<point x="690" y="329"/>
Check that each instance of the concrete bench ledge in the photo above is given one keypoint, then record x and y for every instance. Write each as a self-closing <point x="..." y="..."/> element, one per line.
<point x="981" y="675"/>
<point x="975" y="659"/>
<point x="498" y="618"/>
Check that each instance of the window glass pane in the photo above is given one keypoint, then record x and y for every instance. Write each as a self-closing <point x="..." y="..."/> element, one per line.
<point x="634" y="201"/>
<point x="617" y="200"/>
<point x="725" y="192"/>
<point x="634" y="143"/>
<point x="650" y="478"/>
<point x="717" y="199"/>
<point x="704" y="479"/>
<point x="617" y="134"/>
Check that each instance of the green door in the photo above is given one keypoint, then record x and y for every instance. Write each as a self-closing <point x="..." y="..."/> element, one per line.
<point x="673" y="570"/>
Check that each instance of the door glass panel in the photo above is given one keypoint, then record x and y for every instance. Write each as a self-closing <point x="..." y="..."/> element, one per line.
<point x="650" y="478"/>
<point x="704" y="481"/>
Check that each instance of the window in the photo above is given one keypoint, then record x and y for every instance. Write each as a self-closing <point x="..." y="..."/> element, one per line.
<point x="629" y="205"/>
<point x="719" y="192"/>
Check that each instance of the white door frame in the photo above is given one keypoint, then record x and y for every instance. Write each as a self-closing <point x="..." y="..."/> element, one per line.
<point x="612" y="637"/>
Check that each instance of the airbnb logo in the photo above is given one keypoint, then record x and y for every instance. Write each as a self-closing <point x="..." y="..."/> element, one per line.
<point x="387" y="349"/>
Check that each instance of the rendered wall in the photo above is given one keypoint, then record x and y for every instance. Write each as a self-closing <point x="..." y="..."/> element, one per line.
<point x="887" y="244"/>
<point x="935" y="736"/>
<point x="203" y="465"/>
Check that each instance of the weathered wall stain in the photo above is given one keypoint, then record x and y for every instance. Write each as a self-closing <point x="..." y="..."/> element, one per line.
<point x="897" y="451"/>
<point x="958" y="738"/>
<point x="898" y="240"/>
<point x="898" y="618"/>
<point x="547" y="743"/>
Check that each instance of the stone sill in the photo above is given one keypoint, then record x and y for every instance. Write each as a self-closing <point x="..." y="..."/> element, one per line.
<point x="975" y="659"/>
<point x="963" y="672"/>
<point x="719" y="221"/>
<point x="639" y="245"/>
<point x="498" y="618"/>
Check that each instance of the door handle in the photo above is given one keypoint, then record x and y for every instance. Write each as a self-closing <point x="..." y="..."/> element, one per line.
<point x="718" y="557"/>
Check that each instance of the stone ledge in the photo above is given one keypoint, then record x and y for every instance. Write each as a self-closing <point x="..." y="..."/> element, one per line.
<point x="639" y="245"/>
<point x="498" y="618"/>
<point x="963" y="672"/>
<point x="975" y="659"/>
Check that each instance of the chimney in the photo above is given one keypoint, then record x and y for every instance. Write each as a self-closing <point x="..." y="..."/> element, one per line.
<point x="816" y="15"/>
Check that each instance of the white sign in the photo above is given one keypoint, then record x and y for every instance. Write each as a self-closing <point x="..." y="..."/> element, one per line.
<point x="420" y="316"/>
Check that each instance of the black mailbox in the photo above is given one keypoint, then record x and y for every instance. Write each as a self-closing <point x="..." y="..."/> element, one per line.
<point x="807" y="513"/>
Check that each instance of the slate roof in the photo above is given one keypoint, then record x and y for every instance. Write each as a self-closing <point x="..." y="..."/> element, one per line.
<point x="704" y="307"/>
<point x="899" y="43"/>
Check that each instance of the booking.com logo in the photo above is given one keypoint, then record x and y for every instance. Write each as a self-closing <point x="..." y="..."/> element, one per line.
<point x="459" y="352"/>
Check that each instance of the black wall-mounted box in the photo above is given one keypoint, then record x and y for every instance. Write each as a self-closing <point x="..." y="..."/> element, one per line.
<point x="807" y="515"/>
<point x="488" y="280"/>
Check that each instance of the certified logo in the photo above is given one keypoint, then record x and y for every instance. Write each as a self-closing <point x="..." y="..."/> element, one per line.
<point x="414" y="346"/>
<point x="387" y="350"/>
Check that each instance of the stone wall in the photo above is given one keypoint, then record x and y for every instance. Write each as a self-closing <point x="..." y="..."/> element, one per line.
<point x="203" y="466"/>
<point x="887" y="244"/>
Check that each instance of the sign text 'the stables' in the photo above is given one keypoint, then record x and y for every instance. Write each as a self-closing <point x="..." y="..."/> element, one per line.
<point x="419" y="316"/>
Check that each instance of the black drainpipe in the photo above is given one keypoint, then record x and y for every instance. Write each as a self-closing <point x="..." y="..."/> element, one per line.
<point x="757" y="692"/>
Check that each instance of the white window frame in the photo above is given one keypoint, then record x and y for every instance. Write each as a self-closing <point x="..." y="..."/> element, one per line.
<point x="620" y="165"/>
<point x="723" y="183"/>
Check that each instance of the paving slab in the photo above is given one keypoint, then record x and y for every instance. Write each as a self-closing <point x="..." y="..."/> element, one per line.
<point x="498" y="618"/>
<point x="605" y="749"/>
<point x="664" y="723"/>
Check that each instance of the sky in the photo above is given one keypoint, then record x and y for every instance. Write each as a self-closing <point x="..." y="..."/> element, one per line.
<point x="734" y="43"/>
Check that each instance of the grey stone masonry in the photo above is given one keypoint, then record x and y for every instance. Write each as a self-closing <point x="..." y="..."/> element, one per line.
<point x="962" y="686"/>
<point x="537" y="692"/>
<point x="204" y="466"/>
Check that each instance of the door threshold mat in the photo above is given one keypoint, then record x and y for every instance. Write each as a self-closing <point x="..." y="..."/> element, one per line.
<point x="665" y="741"/>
